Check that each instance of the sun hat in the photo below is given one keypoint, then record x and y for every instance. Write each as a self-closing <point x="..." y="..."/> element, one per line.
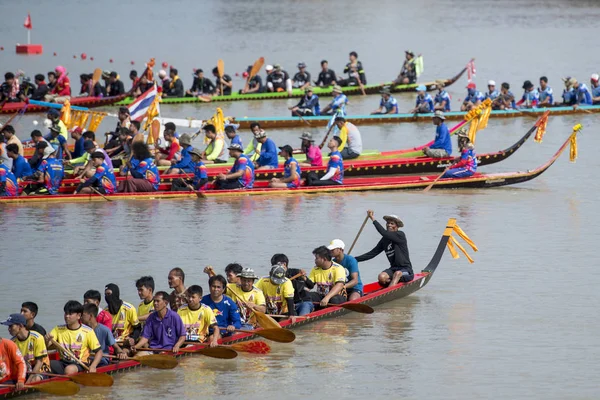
<point x="235" y="146"/>
<point x="260" y="134"/>
<point x="196" y="152"/>
<point x="336" y="89"/>
<point x="307" y="136"/>
<point x="395" y="219"/>
<point x="185" y="139"/>
<point x="248" y="273"/>
<point x="439" y="114"/>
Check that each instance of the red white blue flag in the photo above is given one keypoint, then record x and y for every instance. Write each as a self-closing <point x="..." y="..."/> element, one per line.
<point x="139" y="109"/>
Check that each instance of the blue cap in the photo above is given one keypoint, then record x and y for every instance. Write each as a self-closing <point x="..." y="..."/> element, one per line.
<point x="14" y="319"/>
<point x="53" y="112"/>
<point x="421" y="88"/>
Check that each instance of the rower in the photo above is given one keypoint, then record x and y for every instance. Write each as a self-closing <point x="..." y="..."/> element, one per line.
<point x="198" y="319"/>
<point x="226" y="81"/>
<point x="278" y="291"/>
<point x="20" y="166"/>
<point x="582" y="93"/>
<point x="163" y="81"/>
<point x="164" y="328"/>
<point x="326" y="76"/>
<point x="442" y="99"/>
<point x="184" y="164"/>
<point x="530" y="98"/>
<point x="57" y="124"/>
<point x="338" y="104"/>
<point x="77" y="338"/>
<point x="215" y="150"/>
<point x="58" y="143"/>
<point x="424" y="102"/>
<point x="173" y="150"/>
<point x="466" y="164"/>
<point x="201" y="85"/>
<point x="388" y="104"/>
<point x="178" y="296"/>
<point x="506" y="99"/>
<point x="123" y="152"/>
<point x="61" y="91"/>
<point x="200" y="179"/>
<point x="14" y="368"/>
<point x="255" y="84"/>
<point x="86" y="85"/>
<point x="9" y="135"/>
<point x="9" y="90"/>
<point x="442" y="145"/>
<point x="103" y="334"/>
<point x="279" y="81"/>
<point x="103" y="181"/>
<point x="302" y="300"/>
<point x="52" y="80"/>
<point x="329" y="278"/>
<point x="355" y="71"/>
<point x="32" y="346"/>
<point x="546" y="94"/>
<point x="123" y="121"/>
<point x="232" y="272"/>
<point x="408" y="73"/>
<point x="48" y="177"/>
<point x="351" y="146"/>
<point x="94" y="297"/>
<point x="268" y="152"/>
<point x="241" y="175"/>
<point x="232" y="135"/>
<point x="125" y="322"/>
<point x="569" y="95"/>
<point x="133" y="76"/>
<point x="291" y="170"/>
<point x="353" y="284"/>
<point x="26" y="89"/>
<point x="492" y="93"/>
<point x="145" y="289"/>
<point x="335" y="167"/>
<point x="311" y="151"/>
<point x="115" y="85"/>
<point x="40" y="144"/>
<point x="393" y="243"/>
<point x="248" y="297"/>
<point x="302" y="78"/>
<point x="42" y="88"/>
<point x="595" y="89"/>
<point x="253" y="148"/>
<point x="308" y="106"/>
<point x="224" y="308"/>
<point x="29" y="310"/>
<point x="143" y="86"/>
<point x="175" y="88"/>
<point x="87" y="170"/>
<point x="77" y="136"/>
<point x="4" y="158"/>
<point x="472" y="99"/>
<point x="9" y="186"/>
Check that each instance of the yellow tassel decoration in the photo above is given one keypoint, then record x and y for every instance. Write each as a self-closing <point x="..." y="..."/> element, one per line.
<point x="541" y="127"/>
<point x="453" y="251"/>
<point x="573" y="143"/>
<point x="462" y="249"/>
<point x="464" y="237"/>
<point x="66" y="113"/>
<point x="95" y="120"/>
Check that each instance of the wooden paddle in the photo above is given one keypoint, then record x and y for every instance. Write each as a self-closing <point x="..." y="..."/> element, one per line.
<point x="277" y="335"/>
<point x="254" y="71"/>
<point x="61" y="388"/>
<point x="89" y="379"/>
<point x="221" y="72"/>
<point x="356" y="307"/>
<point x="96" y="78"/>
<point x="358" y="234"/>
<point x="155" y="132"/>
<point x="158" y="361"/>
<point x="251" y="346"/>
<point x="436" y="179"/>
<point x="98" y="192"/>
<point x="214" y="352"/>
<point x="302" y="118"/>
<point x="264" y="321"/>
<point x="64" y="350"/>
<point x="326" y="136"/>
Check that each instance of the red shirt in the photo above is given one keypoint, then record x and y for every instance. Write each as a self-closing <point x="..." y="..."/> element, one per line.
<point x="105" y="319"/>
<point x="63" y="87"/>
<point x="12" y="364"/>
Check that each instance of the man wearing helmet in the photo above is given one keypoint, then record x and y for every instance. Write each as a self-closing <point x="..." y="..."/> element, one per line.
<point x="278" y="291"/>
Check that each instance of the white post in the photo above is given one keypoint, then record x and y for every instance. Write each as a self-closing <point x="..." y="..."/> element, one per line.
<point x="28" y="36"/>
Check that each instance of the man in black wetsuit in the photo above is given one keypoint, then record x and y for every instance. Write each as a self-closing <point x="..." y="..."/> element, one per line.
<point x="393" y="242"/>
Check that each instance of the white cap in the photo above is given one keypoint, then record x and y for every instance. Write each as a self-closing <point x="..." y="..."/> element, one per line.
<point x="595" y="77"/>
<point x="48" y="151"/>
<point x="162" y="73"/>
<point x="269" y="68"/>
<point x="491" y="83"/>
<point x="336" y="244"/>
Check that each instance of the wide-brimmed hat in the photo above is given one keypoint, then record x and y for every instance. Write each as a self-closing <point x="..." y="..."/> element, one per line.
<point x="439" y="114"/>
<point x="394" y="218"/>
<point x="235" y="146"/>
<point x="248" y="273"/>
<point x="307" y="136"/>
<point x="260" y="134"/>
<point x="386" y="90"/>
<point x="185" y="139"/>
<point x="336" y="89"/>
<point x="440" y="83"/>
<point x="277" y="274"/>
<point x="48" y="151"/>
<point x="196" y="152"/>
<point x="308" y="89"/>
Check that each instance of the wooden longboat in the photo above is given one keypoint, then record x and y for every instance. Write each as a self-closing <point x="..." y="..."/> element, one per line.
<point x="374" y="295"/>
<point x="89" y="102"/>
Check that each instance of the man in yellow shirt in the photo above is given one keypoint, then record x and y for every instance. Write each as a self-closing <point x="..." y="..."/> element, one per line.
<point x="278" y="291"/>
<point x="145" y="288"/>
<point x="32" y="346"/>
<point x="125" y="321"/>
<point x="199" y="319"/>
<point x="248" y="297"/>
<point x="78" y="339"/>
<point x="329" y="278"/>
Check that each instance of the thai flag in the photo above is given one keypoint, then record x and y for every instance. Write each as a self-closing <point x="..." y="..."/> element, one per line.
<point x="139" y="109"/>
<point x="471" y="70"/>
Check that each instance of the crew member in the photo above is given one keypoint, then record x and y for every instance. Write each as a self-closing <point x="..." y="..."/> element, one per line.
<point x="302" y="78"/>
<point x="215" y="150"/>
<point x="232" y="135"/>
<point x="335" y="167"/>
<point x="338" y="104"/>
<point x="30" y="310"/>
<point x="329" y="278"/>
<point x="224" y="308"/>
<point x="9" y="187"/>
<point x="388" y="104"/>
<point x="94" y="297"/>
<point x="224" y="82"/>
<point x="48" y="177"/>
<point x="442" y="145"/>
<point x="14" y="369"/>
<point x="326" y="76"/>
<point x="408" y="73"/>
<point x="198" y="319"/>
<point x="268" y="152"/>
<point x="125" y="322"/>
<point x="506" y="99"/>
<point x="279" y="81"/>
<point x="530" y="97"/>
<point x="115" y="85"/>
<point x="442" y="99"/>
<point x="308" y="106"/>
<point x="278" y="291"/>
<point x="584" y="97"/>
<point x="595" y="89"/>
<point x="175" y="85"/>
<point x="9" y="90"/>
<point x="291" y="170"/>
<point x="103" y="334"/>
<point x="353" y="285"/>
<point x="254" y="85"/>
<point x="241" y="175"/>
<point x="302" y="300"/>
<point x="351" y="146"/>
<point x="248" y="297"/>
<point x="145" y="289"/>
<point x="32" y="346"/>
<point x="201" y="85"/>
<point x="546" y="94"/>
<point x="9" y="135"/>
<point x="61" y="91"/>
<point x="173" y="150"/>
<point x="355" y="71"/>
<point x="424" y="102"/>
<point x="179" y="295"/>
<point x="145" y="177"/>
<point x="312" y="152"/>
<point x="200" y="178"/>
<point x="103" y="180"/>
<point x="184" y="164"/>
<point x="472" y="99"/>
<point x="466" y="164"/>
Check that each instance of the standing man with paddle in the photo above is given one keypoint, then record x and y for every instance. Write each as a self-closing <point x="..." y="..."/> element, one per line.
<point x="393" y="243"/>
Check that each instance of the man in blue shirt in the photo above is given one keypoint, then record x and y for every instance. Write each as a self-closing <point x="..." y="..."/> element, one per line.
<point x="545" y="92"/>
<point x="104" y="335"/>
<point x="424" y="103"/>
<point x="335" y="167"/>
<point x="308" y="106"/>
<point x="77" y="135"/>
<point x="388" y="104"/>
<point x="230" y="131"/>
<point x="442" y="146"/>
<point x="492" y="93"/>
<point x="442" y="99"/>
<point x="353" y="285"/>
<point x="473" y="98"/>
<point x="582" y="93"/>
<point x="225" y="309"/>
<point x="595" y="88"/>
<point x="268" y="158"/>
<point x="59" y="143"/>
<point x="20" y="167"/>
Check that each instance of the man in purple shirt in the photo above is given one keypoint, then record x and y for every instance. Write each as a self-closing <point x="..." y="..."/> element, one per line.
<point x="164" y="328"/>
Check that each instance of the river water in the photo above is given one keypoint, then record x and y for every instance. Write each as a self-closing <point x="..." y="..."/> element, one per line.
<point x="518" y="323"/>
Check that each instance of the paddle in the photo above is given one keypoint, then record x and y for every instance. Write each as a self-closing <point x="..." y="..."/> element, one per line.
<point x="436" y="179"/>
<point x="89" y="379"/>
<point x="302" y="119"/>
<point x="277" y="335"/>
<point x="96" y="78"/>
<point x="98" y="192"/>
<point x="252" y="346"/>
<point x="158" y="361"/>
<point x="253" y="71"/>
<point x="64" y="350"/>
<point x="356" y="307"/>
<point x="221" y="72"/>
<point x="263" y="319"/>
<point x="358" y="234"/>
<point x="62" y="388"/>
<point x="214" y="352"/>
<point x="326" y="136"/>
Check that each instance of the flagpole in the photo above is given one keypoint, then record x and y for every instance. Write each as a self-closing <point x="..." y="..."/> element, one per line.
<point x="28" y="36"/>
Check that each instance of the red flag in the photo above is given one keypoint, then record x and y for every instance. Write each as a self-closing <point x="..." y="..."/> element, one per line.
<point x="27" y="23"/>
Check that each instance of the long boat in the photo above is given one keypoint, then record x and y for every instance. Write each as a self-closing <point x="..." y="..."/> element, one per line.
<point x="362" y="184"/>
<point x="89" y="102"/>
<point x="295" y="122"/>
<point x="374" y="295"/>
<point x="319" y="91"/>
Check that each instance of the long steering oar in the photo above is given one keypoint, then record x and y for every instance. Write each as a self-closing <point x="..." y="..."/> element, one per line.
<point x="89" y="379"/>
<point x="356" y="307"/>
<point x="277" y="335"/>
<point x="214" y="352"/>
<point x="61" y="388"/>
<point x="358" y="234"/>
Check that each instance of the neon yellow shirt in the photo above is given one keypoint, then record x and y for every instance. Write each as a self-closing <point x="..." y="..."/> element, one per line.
<point x="124" y="321"/>
<point x="144" y="308"/>
<point x="276" y="295"/>
<point x="34" y="348"/>
<point x="197" y="321"/>
<point x="81" y="342"/>
<point x="255" y="296"/>
<point x="325" y="279"/>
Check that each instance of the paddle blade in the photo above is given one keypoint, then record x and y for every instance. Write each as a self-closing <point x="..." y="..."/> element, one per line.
<point x="360" y="308"/>
<point x="61" y="388"/>
<point x="256" y="67"/>
<point x="252" y="346"/>
<point x="221" y="68"/>
<point x="277" y="335"/>
<point x="159" y="361"/>
<point x="265" y="321"/>
<point x="155" y="131"/>
<point x="218" y="352"/>
<point x="93" y="379"/>
<point x="96" y="77"/>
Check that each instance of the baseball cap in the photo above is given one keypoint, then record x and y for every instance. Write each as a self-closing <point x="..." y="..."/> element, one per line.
<point x="287" y="148"/>
<point x="88" y="145"/>
<point x="235" y="146"/>
<point x="491" y="83"/>
<point x="48" y="151"/>
<point x="336" y="244"/>
<point x="14" y="319"/>
<point x="471" y="85"/>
